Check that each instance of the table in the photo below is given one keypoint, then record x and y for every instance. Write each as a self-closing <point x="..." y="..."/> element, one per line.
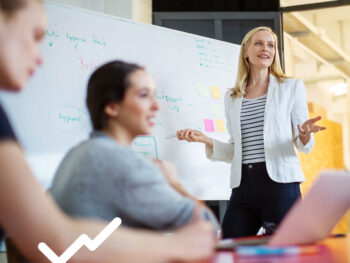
<point x="332" y="250"/>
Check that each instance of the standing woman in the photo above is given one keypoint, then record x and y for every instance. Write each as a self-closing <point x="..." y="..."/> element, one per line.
<point x="267" y="116"/>
<point x="27" y="215"/>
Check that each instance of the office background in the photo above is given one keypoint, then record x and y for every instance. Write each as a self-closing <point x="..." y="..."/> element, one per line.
<point x="315" y="43"/>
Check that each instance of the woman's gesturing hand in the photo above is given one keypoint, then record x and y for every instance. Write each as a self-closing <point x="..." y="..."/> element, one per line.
<point x="193" y="136"/>
<point x="307" y="128"/>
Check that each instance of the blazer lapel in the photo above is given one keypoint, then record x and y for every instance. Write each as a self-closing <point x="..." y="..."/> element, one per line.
<point x="271" y="92"/>
<point x="236" y="114"/>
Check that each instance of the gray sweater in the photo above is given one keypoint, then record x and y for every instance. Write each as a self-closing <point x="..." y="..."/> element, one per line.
<point x="100" y="178"/>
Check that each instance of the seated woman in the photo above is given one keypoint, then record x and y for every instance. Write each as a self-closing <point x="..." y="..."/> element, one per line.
<point x="103" y="177"/>
<point x="28" y="216"/>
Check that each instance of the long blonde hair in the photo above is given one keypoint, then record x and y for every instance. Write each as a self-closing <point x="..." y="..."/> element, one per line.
<point x="243" y="65"/>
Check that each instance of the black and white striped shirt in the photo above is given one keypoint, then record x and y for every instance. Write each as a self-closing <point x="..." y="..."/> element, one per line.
<point x="252" y="130"/>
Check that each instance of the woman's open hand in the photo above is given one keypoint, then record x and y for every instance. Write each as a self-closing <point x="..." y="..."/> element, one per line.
<point x="308" y="127"/>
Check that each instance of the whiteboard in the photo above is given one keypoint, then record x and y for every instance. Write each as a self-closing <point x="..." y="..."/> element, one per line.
<point x="191" y="73"/>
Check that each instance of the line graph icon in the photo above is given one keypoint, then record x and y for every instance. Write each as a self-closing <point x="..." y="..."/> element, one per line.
<point x="82" y="240"/>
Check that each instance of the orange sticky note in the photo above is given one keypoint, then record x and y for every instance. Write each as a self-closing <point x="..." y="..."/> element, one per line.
<point x="220" y="126"/>
<point x="215" y="92"/>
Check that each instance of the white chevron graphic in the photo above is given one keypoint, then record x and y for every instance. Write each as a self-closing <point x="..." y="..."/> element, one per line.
<point x="79" y="242"/>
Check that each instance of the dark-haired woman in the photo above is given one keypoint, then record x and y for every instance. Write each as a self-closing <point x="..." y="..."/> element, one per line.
<point x="103" y="177"/>
<point x="27" y="215"/>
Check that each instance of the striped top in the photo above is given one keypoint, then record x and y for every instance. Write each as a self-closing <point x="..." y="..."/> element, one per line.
<point x="252" y="130"/>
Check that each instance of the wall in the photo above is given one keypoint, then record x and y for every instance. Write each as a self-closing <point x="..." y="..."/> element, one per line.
<point x="327" y="154"/>
<point x="138" y="10"/>
<point x="332" y="22"/>
<point x="336" y="111"/>
<point x="335" y="24"/>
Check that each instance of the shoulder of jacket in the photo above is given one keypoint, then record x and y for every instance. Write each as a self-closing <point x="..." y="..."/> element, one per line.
<point x="228" y="93"/>
<point x="291" y="83"/>
<point x="227" y="97"/>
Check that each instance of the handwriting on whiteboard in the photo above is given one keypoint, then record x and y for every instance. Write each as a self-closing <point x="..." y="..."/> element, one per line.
<point x="68" y="118"/>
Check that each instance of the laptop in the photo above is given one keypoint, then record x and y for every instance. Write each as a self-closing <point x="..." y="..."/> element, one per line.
<point x="312" y="218"/>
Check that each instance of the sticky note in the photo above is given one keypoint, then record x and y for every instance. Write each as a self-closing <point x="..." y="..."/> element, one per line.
<point x="203" y="91"/>
<point x="220" y="126"/>
<point x="215" y="92"/>
<point x="216" y="108"/>
<point x="209" y="125"/>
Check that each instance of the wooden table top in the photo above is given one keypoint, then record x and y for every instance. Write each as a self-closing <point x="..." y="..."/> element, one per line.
<point x="331" y="250"/>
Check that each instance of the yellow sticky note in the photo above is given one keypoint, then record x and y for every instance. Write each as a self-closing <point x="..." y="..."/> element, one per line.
<point x="203" y="91"/>
<point x="216" y="109"/>
<point x="215" y="92"/>
<point x="220" y="126"/>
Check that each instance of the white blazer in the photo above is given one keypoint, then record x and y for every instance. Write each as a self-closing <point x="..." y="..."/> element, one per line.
<point x="286" y="107"/>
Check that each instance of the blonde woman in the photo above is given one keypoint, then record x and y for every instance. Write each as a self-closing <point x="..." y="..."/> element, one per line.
<point x="267" y="116"/>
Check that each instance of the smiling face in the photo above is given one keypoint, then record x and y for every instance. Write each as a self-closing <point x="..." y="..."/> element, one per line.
<point x="137" y="111"/>
<point x="261" y="50"/>
<point x="20" y="35"/>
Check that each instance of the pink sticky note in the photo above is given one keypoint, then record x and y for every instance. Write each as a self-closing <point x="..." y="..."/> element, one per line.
<point x="209" y="125"/>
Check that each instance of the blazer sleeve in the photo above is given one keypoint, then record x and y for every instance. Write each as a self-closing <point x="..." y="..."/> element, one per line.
<point x="223" y="151"/>
<point x="299" y="115"/>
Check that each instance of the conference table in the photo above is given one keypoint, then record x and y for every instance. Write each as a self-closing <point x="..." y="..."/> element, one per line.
<point x="331" y="250"/>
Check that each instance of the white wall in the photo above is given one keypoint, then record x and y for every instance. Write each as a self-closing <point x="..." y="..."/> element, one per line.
<point x="329" y="21"/>
<point x="138" y="10"/>
<point x="300" y="64"/>
<point x="142" y="11"/>
<point x="289" y="58"/>
<point x="94" y="5"/>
